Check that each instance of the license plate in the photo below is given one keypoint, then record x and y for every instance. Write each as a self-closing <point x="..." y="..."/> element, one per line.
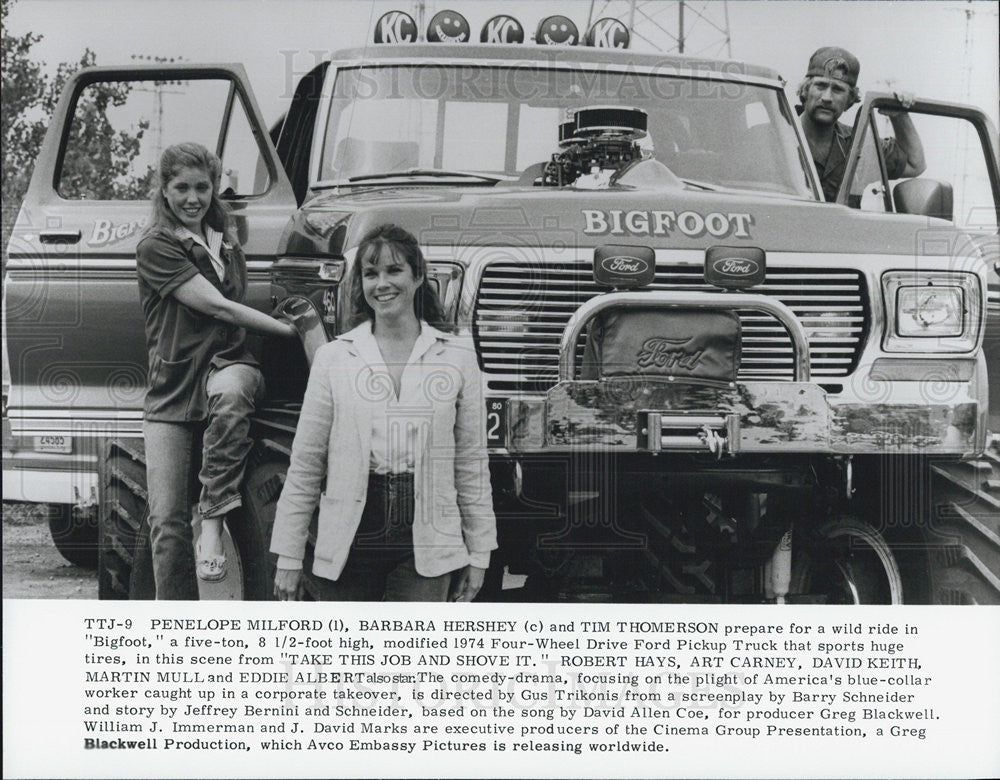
<point x="63" y="444"/>
<point x="496" y="422"/>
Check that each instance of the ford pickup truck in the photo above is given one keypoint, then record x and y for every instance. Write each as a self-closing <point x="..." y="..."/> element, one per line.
<point x="703" y="381"/>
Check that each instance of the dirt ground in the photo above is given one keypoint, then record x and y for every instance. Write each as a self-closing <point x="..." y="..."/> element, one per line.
<point x="32" y="567"/>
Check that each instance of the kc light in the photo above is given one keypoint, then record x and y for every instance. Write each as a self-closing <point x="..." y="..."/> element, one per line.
<point x="932" y="311"/>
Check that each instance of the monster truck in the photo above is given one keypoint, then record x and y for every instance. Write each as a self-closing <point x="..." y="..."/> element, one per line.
<point x="703" y="382"/>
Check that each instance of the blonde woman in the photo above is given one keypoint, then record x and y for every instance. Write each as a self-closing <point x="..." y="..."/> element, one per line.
<point x="202" y="379"/>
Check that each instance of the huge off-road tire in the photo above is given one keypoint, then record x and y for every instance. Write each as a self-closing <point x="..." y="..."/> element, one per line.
<point x="125" y="569"/>
<point x="74" y="534"/>
<point x="844" y="561"/>
<point x="265" y="476"/>
<point x="267" y="466"/>
<point x="963" y="539"/>
<point x="121" y="513"/>
<point x="681" y="568"/>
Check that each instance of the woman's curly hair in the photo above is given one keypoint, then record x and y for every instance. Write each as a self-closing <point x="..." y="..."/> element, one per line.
<point x="172" y="161"/>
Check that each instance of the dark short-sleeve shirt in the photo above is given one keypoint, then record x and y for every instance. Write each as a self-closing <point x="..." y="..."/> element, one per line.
<point x="831" y="170"/>
<point x="185" y="345"/>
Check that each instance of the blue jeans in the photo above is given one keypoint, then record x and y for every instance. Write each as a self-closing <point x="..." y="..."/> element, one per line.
<point x="380" y="565"/>
<point x="233" y="392"/>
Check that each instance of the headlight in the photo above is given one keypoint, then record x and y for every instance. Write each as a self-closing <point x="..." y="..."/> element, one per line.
<point x="926" y="312"/>
<point x="932" y="311"/>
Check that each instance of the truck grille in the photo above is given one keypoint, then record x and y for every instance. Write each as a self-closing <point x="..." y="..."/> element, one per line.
<point x="521" y="310"/>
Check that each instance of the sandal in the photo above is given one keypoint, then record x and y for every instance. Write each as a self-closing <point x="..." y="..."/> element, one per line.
<point x="210" y="568"/>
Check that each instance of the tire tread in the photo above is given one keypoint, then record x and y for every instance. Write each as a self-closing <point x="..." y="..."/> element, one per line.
<point x="123" y="501"/>
<point x="966" y="558"/>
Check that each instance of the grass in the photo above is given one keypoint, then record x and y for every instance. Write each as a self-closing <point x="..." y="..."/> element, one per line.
<point x="19" y="513"/>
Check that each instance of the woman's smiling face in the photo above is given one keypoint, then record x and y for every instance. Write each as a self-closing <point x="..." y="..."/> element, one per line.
<point x="188" y="195"/>
<point x="388" y="284"/>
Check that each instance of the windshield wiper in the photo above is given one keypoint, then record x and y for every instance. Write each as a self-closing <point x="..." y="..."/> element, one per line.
<point x="426" y="172"/>
<point x="700" y="185"/>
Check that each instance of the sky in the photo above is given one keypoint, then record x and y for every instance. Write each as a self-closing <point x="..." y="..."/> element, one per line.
<point x="935" y="48"/>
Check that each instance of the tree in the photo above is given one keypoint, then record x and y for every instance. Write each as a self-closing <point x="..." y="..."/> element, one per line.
<point x="24" y="89"/>
<point x="98" y="161"/>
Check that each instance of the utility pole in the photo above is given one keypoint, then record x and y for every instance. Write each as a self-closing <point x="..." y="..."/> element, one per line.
<point x="158" y="90"/>
<point x="698" y="28"/>
<point x="420" y="16"/>
<point x="680" y="26"/>
<point x="966" y="142"/>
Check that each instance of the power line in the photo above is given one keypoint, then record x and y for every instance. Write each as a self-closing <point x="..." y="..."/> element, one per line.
<point x="678" y="26"/>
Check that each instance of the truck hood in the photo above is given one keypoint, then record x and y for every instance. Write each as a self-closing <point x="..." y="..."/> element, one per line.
<point x="662" y="218"/>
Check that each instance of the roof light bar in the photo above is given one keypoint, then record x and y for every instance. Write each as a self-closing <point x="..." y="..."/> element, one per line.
<point x="557" y="31"/>
<point x="451" y="27"/>
<point x="448" y="27"/>
<point x="608" y="33"/>
<point x="502" y="29"/>
<point x="395" y="27"/>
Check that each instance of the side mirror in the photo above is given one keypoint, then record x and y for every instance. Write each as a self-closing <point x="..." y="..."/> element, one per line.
<point x="929" y="197"/>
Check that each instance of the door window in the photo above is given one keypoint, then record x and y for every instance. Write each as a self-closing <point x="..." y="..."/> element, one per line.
<point x="867" y="190"/>
<point x="956" y="183"/>
<point x="954" y="155"/>
<point x="119" y="129"/>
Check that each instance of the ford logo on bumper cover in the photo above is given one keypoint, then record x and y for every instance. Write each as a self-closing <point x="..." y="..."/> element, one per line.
<point x="734" y="267"/>
<point x="624" y="267"/>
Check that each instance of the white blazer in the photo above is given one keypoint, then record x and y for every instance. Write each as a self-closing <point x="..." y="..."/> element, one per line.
<point x="453" y="523"/>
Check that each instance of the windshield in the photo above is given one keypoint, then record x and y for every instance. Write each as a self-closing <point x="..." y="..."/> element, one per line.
<point x="498" y="121"/>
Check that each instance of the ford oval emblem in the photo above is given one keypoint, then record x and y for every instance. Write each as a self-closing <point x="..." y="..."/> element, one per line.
<point x="625" y="264"/>
<point x="736" y="266"/>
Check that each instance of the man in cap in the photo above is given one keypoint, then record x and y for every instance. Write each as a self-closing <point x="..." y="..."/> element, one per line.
<point x="828" y="90"/>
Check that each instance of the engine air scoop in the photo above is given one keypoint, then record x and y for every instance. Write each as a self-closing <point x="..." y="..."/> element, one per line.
<point x="597" y="143"/>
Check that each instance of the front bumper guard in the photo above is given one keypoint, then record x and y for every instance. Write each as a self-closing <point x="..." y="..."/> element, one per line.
<point x="659" y="415"/>
<point x="671" y="299"/>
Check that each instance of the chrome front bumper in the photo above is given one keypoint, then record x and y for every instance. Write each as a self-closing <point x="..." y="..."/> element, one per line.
<point x="872" y="414"/>
<point x="642" y="415"/>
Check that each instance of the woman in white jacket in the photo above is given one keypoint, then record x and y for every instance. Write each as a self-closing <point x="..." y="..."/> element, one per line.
<point x="394" y="418"/>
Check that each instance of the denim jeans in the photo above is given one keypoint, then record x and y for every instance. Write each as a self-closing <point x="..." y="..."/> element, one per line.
<point x="380" y="565"/>
<point x="232" y="395"/>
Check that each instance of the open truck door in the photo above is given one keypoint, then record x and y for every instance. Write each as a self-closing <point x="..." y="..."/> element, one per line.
<point x="72" y="321"/>
<point x="961" y="183"/>
<point x="959" y="188"/>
